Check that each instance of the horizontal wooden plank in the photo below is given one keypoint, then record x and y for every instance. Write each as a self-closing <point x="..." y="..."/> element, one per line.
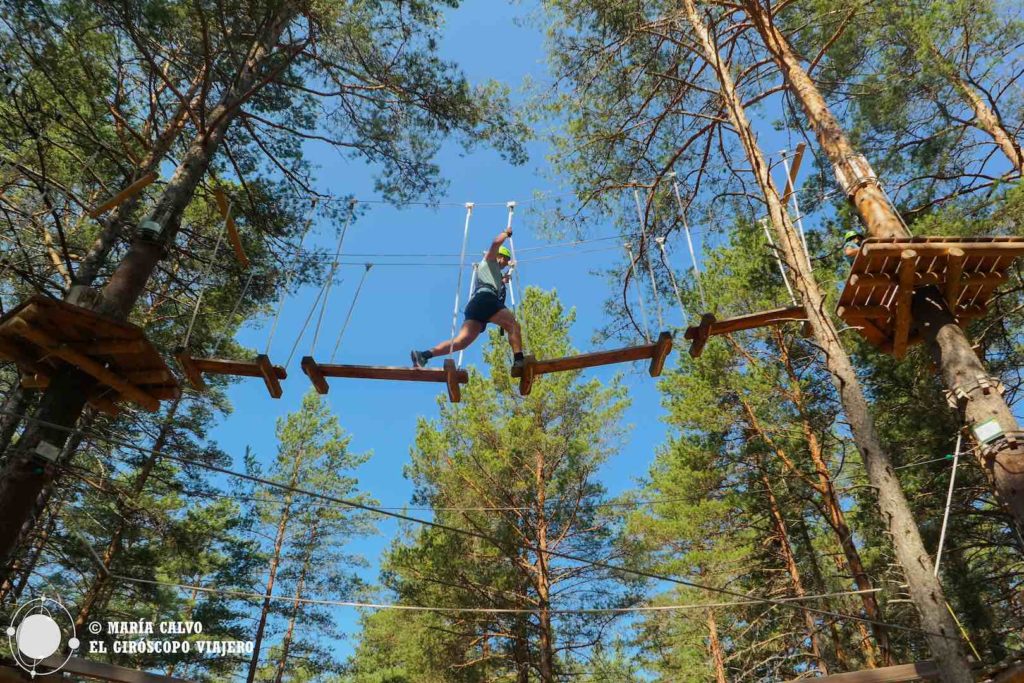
<point x="107" y="672"/>
<point x="941" y="248"/>
<point x="223" y="366"/>
<point x="157" y="376"/>
<point x="390" y="372"/>
<point x="111" y="347"/>
<point x="901" y="673"/>
<point x="591" y="360"/>
<point x="863" y="280"/>
<point x="755" y="320"/>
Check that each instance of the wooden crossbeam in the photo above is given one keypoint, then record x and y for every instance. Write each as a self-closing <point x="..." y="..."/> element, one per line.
<point x="262" y="367"/>
<point x="229" y="226"/>
<point x="904" y="300"/>
<point x="656" y="352"/>
<point x="111" y="347"/>
<point x="130" y="191"/>
<point x="868" y="280"/>
<point x="710" y="326"/>
<point x="927" y="249"/>
<point x="901" y="673"/>
<point x="84" y="363"/>
<point x="270" y="374"/>
<point x="449" y="375"/>
<point x="102" y="671"/>
<point x="451" y="379"/>
<point x="312" y="370"/>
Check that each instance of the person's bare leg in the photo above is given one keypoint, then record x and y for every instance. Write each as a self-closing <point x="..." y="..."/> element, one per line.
<point x="507" y="321"/>
<point x="467" y="335"/>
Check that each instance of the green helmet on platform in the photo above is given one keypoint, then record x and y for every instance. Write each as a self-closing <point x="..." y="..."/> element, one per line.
<point x="504" y="251"/>
<point x="851" y="234"/>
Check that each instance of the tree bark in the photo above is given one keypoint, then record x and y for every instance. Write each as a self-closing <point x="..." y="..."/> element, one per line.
<point x="842" y="658"/>
<point x="64" y="399"/>
<point x="715" y="647"/>
<point x="286" y="644"/>
<point x="925" y="589"/>
<point x="958" y="363"/>
<point x="545" y="643"/>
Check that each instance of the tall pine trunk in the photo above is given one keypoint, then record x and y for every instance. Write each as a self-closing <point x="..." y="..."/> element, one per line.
<point x="925" y="589"/>
<point x="715" y="648"/>
<point x="286" y="645"/>
<point x="64" y="399"/>
<point x="958" y="363"/>
<point x="546" y="638"/>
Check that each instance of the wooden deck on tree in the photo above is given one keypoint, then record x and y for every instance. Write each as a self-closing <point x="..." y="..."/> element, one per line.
<point x="450" y="375"/>
<point x="43" y="335"/>
<point x="194" y="368"/>
<point x="879" y="290"/>
<point x="656" y="352"/>
<point x="710" y="326"/>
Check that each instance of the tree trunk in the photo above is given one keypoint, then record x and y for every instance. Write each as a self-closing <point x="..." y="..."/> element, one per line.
<point x="545" y="643"/>
<point x="842" y="658"/>
<point x="925" y="589"/>
<point x="24" y="570"/>
<point x="789" y="559"/>
<point x="64" y="399"/>
<point x="959" y="364"/>
<point x="715" y="648"/>
<point x="15" y="405"/>
<point x="282" y="662"/>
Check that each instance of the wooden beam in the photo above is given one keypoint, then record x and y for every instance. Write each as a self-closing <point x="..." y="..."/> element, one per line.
<point x="793" y="170"/>
<point x="526" y="375"/>
<point x="452" y="380"/>
<point x="867" y="280"/>
<point x="85" y="364"/>
<point x="102" y="671"/>
<point x="393" y="373"/>
<point x="662" y="348"/>
<point x="148" y="376"/>
<point x="270" y="374"/>
<point x="35" y="381"/>
<point x="241" y="368"/>
<point x="700" y="335"/>
<point x="110" y="347"/>
<point x="901" y="673"/>
<point x="229" y="225"/>
<point x="927" y="249"/>
<point x="312" y="371"/>
<point x="954" y="270"/>
<point x="591" y="360"/>
<point x="904" y="299"/>
<point x="124" y="194"/>
<point x="864" y="312"/>
<point x="191" y="370"/>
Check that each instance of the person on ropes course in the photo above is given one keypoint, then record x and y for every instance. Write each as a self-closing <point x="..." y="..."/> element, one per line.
<point x="851" y="245"/>
<point x="486" y="305"/>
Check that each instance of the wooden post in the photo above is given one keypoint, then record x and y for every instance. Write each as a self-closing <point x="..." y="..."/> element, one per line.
<point x="662" y="348"/>
<point x="954" y="270"/>
<point x="904" y="300"/>
<point x="701" y="335"/>
<point x="229" y="226"/>
<point x="312" y="371"/>
<point x="452" y="380"/>
<point x="526" y="375"/>
<point x="192" y="373"/>
<point x="270" y="375"/>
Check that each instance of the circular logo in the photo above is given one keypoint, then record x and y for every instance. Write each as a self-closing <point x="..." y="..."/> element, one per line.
<point x="35" y="634"/>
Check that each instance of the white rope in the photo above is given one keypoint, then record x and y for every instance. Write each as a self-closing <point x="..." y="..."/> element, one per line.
<point x="689" y="241"/>
<point x="234" y="310"/>
<point x="287" y="281"/>
<point x="796" y="211"/>
<point x="949" y="500"/>
<point x="352" y="306"/>
<point x="206" y="277"/>
<point x="660" y="241"/>
<point x="330" y="277"/>
<point x="646" y="258"/>
<point x="458" y="284"/>
<point x="782" y="269"/>
<point x="640" y="293"/>
<point x="472" y="285"/>
<point x="515" y="275"/>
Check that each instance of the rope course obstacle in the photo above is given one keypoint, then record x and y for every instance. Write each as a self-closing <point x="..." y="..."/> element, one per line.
<point x="195" y="368"/>
<point x="450" y="375"/>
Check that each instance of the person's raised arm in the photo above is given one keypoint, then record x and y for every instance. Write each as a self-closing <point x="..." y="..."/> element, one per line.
<point x="492" y="253"/>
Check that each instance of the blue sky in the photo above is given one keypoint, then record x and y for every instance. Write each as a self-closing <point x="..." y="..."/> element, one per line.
<point x="402" y="306"/>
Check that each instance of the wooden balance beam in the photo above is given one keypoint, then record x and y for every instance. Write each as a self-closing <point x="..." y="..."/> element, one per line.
<point x="261" y="367"/>
<point x="710" y="326"/>
<point x="450" y="375"/>
<point x="656" y="352"/>
<point x="130" y="191"/>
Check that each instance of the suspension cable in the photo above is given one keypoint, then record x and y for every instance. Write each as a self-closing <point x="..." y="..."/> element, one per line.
<point x="330" y="276"/>
<point x="287" y="281"/>
<point x="351" y="308"/>
<point x="949" y="501"/>
<point x="639" y="290"/>
<point x="689" y="239"/>
<point x="778" y="259"/>
<point x="660" y="241"/>
<point x="520" y="317"/>
<point x="469" y="295"/>
<point x="458" y="283"/>
<point x="206" y="277"/>
<point x="644" y="255"/>
<point x="234" y="310"/>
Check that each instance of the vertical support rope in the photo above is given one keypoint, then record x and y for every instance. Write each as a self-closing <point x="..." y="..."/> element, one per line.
<point x="689" y="241"/>
<point x="206" y="277"/>
<point x="660" y="241"/>
<point x="515" y="275"/>
<point x="458" y="283"/>
<point x="234" y="310"/>
<point x="796" y="211"/>
<point x="646" y="257"/>
<point x="640" y="292"/>
<point x="949" y="500"/>
<point x="352" y="306"/>
<point x="330" y="277"/>
<point x="782" y="269"/>
<point x="469" y="295"/>
<point x="287" y="281"/>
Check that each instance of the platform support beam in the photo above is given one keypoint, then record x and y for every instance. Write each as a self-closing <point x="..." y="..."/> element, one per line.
<point x="527" y="374"/>
<point x="312" y="371"/>
<point x="451" y="378"/>
<point x="662" y="348"/>
<point x="904" y="300"/>
<point x="702" y="335"/>
<point x="953" y="273"/>
<point x="269" y="374"/>
<point x="191" y="370"/>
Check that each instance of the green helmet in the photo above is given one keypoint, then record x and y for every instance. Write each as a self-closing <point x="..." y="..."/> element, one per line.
<point x="504" y="251"/>
<point x="851" y="234"/>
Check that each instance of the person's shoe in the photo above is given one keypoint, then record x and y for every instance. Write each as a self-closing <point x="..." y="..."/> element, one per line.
<point x="518" y="363"/>
<point x="418" y="359"/>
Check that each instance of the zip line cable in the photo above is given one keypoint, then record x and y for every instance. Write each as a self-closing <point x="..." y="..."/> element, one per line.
<point x="496" y="542"/>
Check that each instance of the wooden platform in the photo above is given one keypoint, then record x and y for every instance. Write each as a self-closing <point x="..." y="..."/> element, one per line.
<point x="42" y="335"/>
<point x="710" y="326"/>
<point x="656" y="352"/>
<point x="194" y="368"/>
<point x="879" y="290"/>
<point x="450" y="375"/>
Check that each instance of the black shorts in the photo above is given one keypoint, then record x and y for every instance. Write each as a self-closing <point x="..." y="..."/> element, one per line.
<point x="482" y="308"/>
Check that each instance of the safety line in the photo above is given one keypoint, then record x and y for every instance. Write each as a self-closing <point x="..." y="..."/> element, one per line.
<point x="458" y="283"/>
